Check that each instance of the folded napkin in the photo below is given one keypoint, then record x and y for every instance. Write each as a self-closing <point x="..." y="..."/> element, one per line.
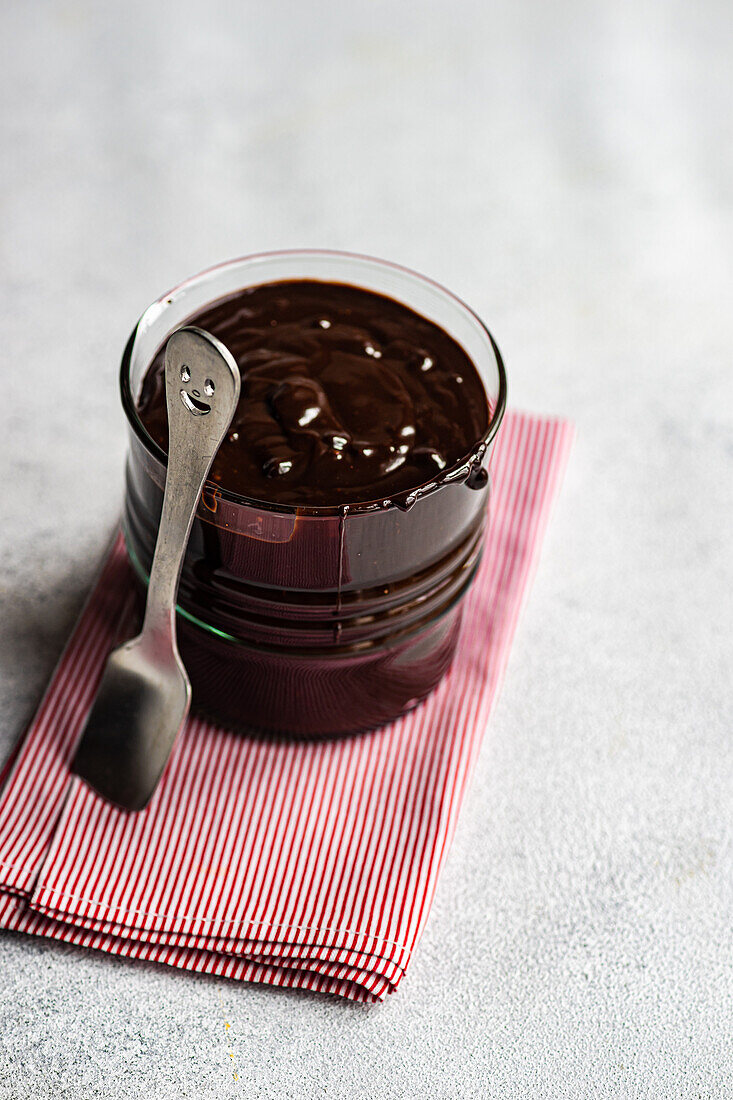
<point x="298" y="864"/>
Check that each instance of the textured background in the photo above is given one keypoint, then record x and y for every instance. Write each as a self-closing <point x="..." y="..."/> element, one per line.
<point x="565" y="167"/>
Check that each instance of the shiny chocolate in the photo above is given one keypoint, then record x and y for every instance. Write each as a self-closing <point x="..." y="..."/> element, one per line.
<point x="347" y="396"/>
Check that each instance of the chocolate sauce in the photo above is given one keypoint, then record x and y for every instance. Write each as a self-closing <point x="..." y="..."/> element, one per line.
<point x="347" y="396"/>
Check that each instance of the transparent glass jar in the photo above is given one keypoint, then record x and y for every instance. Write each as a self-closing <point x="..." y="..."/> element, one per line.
<point x="315" y="621"/>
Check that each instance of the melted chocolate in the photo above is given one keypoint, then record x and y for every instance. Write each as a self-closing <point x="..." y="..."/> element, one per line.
<point x="347" y="396"/>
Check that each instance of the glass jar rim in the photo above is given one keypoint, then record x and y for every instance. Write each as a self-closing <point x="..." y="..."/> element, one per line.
<point x="450" y="474"/>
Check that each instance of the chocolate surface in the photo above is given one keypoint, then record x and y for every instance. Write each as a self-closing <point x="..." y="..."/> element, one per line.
<point x="347" y="396"/>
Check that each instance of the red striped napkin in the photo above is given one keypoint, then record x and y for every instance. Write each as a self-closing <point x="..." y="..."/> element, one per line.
<point x="299" y="864"/>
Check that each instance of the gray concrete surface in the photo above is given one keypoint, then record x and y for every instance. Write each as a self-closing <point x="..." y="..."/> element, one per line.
<point x="566" y="167"/>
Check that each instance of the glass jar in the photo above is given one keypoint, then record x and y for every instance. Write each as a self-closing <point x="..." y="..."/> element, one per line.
<point x="315" y="621"/>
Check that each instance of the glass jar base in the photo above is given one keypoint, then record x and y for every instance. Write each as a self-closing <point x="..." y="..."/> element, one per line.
<point x="288" y="695"/>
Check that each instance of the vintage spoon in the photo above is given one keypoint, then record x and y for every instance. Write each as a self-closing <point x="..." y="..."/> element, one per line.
<point x="145" y="694"/>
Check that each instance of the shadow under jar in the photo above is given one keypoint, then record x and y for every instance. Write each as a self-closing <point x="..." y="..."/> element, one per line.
<point x="316" y="619"/>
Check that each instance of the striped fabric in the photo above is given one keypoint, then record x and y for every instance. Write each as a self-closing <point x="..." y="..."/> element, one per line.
<point x="298" y="864"/>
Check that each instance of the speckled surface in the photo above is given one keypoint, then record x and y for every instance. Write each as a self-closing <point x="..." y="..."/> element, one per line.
<point x="566" y="168"/>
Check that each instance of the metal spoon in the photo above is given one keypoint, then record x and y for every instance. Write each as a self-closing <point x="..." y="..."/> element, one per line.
<point x="145" y="694"/>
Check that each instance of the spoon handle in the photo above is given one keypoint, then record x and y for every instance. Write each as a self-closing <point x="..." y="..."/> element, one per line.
<point x="202" y="385"/>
